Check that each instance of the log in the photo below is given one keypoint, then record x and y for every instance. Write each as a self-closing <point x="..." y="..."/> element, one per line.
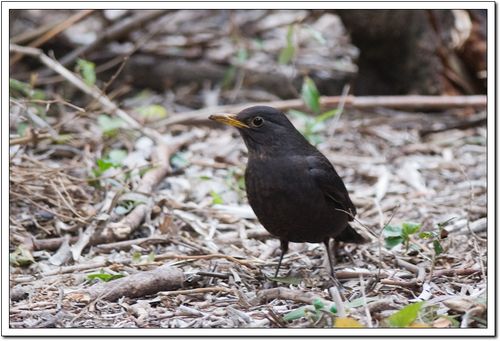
<point x="163" y="278"/>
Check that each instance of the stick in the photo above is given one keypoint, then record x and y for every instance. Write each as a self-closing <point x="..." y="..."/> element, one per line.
<point x="194" y="291"/>
<point x="163" y="278"/>
<point x="127" y="244"/>
<point x="327" y="102"/>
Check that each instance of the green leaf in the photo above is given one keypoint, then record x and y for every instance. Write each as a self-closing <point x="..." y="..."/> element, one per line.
<point x="87" y="71"/>
<point x="21" y="257"/>
<point x="295" y="314"/>
<point x="109" y="124"/>
<point x="286" y="55"/>
<point x="326" y="115"/>
<point x="287" y="280"/>
<point x="25" y="89"/>
<point x="318" y="304"/>
<point x="392" y="231"/>
<point x="123" y="209"/>
<point x="317" y="35"/>
<point x="446" y="223"/>
<point x="116" y="157"/>
<point x="242" y="55"/>
<point x="216" y="198"/>
<point x="205" y="177"/>
<point x="426" y="235"/>
<point x="151" y="257"/>
<point x="136" y="257"/>
<point x="288" y="52"/>
<point x="153" y="112"/>
<point x="105" y="277"/>
<point x="310" y="95"/>
<point x="360" y="301"/>
<point x="438" y="248"/>
<point x="410" y="228"/>
<point x="391" y="242"/>
<point x="178" y="160"/>
<point x="405" y="316"/>
<point x="21" y="128"/>
<point x="229" y="77"/>
<point x="102" y="166"/>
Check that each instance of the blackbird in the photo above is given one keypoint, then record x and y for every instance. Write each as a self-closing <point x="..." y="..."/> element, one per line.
<point x="293" y="189"/>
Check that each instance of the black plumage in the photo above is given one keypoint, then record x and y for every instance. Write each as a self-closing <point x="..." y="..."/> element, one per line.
<point x="293" y="189"/>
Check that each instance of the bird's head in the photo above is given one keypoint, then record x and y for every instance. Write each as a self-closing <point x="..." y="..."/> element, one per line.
<point x="264" y="129"/>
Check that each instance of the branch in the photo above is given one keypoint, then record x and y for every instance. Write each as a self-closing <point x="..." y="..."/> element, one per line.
<point x="163" y="278"/>
<point x="412" y="102"/>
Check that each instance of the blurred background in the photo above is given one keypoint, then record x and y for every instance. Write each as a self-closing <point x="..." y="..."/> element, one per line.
<point x="196" y="58"/>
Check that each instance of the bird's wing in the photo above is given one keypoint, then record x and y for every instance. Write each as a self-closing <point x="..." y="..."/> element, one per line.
<point x="330" y="183"/>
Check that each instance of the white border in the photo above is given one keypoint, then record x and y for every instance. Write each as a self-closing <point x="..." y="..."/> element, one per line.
<point x="492" y="266"/>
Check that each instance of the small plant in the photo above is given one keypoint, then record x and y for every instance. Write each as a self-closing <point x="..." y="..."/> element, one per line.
<point x="21" y="89"/>
<point x="437" y="236"/>
<point x="21" y="257"/>
<point x="110" y="125"/>
<point x="104" y="276"/>
<point x="87" y="70"/>
<point x="313" y="125"/>
<point x="288" y="52"/>
<point x="216" y="198"/>
<point x="152" y="112"/>
<point x="312" y="312"/>
<point x="406" y="316"/>
<point x="395" y="235"/>
<point x="114" y="159"/>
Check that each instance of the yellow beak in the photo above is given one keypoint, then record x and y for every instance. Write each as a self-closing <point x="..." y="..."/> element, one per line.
<point x="229" y="120"/>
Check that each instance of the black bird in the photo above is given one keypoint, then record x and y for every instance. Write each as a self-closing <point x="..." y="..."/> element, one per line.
<point x="293" y="189"/>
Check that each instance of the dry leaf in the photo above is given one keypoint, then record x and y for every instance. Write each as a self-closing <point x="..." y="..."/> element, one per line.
<point x="347" y="322"/>
<point x="441" y="323"/>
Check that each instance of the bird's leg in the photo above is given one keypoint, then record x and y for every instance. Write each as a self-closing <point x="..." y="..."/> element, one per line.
<point x="331" y="260"/>
<point x="284" y="249"/>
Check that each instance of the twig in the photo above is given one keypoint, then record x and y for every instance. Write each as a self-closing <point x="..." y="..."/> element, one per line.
<point x="339" y="304"/>
<point x="31" y="136"/>
<point x="474" y="121"/>
<point x="127" y="244"/>
<point x="289" y="294"/>
<point x="367" y="311"/>
<point x="75" y="268"/>
<point x="194" y="291"/>
<point x="405" y="284"/>
<point x="456" y="272"/>
<point x="217" y="255"/>
<point x="396" y="102"/>
<point x="53" y="32"/>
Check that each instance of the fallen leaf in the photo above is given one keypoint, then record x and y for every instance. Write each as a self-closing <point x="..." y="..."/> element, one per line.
<point x="441" y="323"/>
<point x="347" y="322"/>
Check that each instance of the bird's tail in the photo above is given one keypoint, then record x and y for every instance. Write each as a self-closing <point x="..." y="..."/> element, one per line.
<point x="349" y="235"/>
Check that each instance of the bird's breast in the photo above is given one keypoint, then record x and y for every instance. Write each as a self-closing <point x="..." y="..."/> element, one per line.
<point x="287" y="200"/>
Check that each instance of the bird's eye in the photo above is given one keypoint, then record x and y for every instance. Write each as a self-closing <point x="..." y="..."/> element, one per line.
<point x="257" y="121"/>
